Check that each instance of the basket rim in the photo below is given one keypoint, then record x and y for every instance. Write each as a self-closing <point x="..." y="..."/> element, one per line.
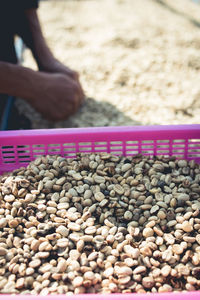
<point x="138" y="128"/>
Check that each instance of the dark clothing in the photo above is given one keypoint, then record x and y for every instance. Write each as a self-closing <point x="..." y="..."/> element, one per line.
<point x="11" y="19"/>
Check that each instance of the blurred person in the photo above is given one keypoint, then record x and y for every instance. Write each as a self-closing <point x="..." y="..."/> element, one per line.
<point x="54" y="90"/>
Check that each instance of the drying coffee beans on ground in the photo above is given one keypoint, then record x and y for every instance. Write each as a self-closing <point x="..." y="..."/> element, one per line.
<point x="100" y="223"/>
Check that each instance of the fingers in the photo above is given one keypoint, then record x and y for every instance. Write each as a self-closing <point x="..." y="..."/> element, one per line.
<point x="75" y="75"/>
<point x="79" y="91"/>
<point x="69" y="72"/>
<point x="60" y="98"/>
<point x="78" y="95"/>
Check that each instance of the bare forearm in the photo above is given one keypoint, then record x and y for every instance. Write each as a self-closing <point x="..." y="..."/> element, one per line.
<point x="34" y="39"/>
<point x="16" y="80"/>
<point x="30" y="31"/>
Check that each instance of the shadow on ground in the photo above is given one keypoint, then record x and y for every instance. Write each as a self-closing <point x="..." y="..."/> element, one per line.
<point x="175" y="11"/>
<point x="93" y="113"/>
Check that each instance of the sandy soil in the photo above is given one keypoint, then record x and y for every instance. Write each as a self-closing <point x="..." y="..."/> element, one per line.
<point x="139" y="61"/>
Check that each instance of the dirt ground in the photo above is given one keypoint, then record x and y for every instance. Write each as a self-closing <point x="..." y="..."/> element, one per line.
<point x="139" y="61"/>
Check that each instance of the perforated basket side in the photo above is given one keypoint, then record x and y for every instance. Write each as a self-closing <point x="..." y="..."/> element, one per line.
<point x="18" y="148"/>
<point x="156" y="296"/>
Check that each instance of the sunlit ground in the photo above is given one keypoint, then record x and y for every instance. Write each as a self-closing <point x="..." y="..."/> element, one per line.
<point x="139" y="61"/>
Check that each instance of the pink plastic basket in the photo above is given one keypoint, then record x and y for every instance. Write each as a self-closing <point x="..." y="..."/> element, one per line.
<point x="18" y="148"/>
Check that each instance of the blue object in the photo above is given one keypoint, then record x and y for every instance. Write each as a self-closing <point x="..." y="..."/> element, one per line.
<point x="19" y="47"/>
<point x="5" y="118"/>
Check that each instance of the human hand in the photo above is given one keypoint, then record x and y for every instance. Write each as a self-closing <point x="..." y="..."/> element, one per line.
<point x="55" y="66"/>
<point x="56" y="96"/>
<point x="32" y="35"/>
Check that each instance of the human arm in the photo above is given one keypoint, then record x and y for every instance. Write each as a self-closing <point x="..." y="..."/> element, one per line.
<point x="55" y="96"/>
<point x="31" y="32"/>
